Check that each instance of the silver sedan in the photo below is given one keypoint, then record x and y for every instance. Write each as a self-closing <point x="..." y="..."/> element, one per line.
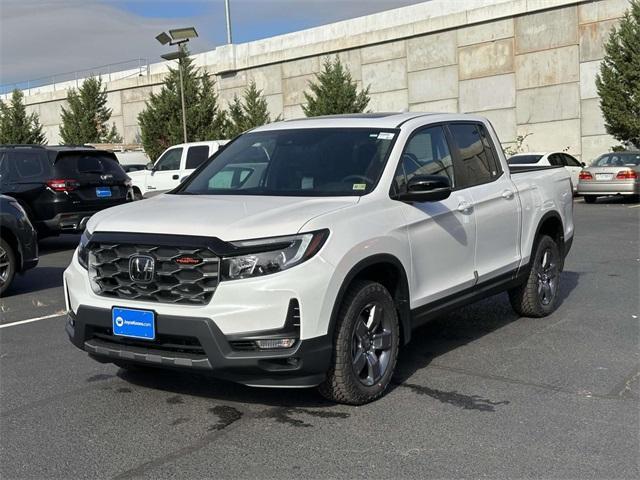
<point x="616" y="173"/>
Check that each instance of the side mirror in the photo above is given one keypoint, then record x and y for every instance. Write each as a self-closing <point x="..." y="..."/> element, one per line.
<point x="584" y="165"/>
<point x="427" y="188"/>
<point x="149" y="166"/>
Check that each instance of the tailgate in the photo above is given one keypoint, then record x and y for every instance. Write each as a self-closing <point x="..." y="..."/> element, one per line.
<point x="98" y="176"/>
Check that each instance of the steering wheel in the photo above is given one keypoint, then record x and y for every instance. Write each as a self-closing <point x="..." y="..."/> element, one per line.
<point x="357" y="177"/>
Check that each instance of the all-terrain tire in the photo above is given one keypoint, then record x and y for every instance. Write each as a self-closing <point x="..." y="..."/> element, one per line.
<point x="532" y="298"/>
<point x="7" y="265"/>
<point x="343" y="384"/>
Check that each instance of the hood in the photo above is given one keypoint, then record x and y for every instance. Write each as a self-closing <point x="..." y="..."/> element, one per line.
<point x="225" y="217"/>
<point x="138" y="173"/>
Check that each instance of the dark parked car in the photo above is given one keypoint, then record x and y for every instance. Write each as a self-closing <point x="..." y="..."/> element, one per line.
<point x="134" y="167"/>
<point x="18" y="242"/>
<point x="61" y="187"/>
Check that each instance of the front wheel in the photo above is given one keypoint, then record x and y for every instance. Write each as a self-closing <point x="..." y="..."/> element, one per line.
<point x="365" y="347"/>
<point x="589" y="198"/>
<point x="7" y="265"/>
<point x="537" y="296"/>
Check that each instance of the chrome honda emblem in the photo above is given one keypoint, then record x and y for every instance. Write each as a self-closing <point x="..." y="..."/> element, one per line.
<point x="106" y="176"/>
<point x="142" y="268"/>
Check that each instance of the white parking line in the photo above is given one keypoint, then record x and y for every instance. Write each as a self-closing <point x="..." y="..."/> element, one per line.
<point x="22" y="322"/>
<point x="635" y="206"/>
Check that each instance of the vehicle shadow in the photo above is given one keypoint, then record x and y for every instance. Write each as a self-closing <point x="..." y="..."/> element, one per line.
<point x="58" y="244"/>
<point x="40" y="278"/>
<point x="462" y="327"/>
<point x="436" y="338"/>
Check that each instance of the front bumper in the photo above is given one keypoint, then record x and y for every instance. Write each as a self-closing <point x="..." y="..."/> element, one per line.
<point x="609" y="188"/>
<point x="197" y="344"/>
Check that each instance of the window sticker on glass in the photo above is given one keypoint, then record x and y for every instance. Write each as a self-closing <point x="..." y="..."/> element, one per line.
<point x="386" y="136"/>
<point x="359" y="186"/>
<point x="307" y="183"/>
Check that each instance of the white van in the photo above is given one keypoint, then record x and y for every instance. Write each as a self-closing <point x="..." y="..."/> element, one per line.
<point x="174" y="164"/>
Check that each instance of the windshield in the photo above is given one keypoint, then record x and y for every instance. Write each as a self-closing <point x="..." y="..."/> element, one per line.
<point x="524" y="159"/>
<point x="621" y="159"/>
<point x="301" y="162"/>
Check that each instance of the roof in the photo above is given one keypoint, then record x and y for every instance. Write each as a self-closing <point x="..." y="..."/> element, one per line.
<point x="54" y="148"/>
<point x="365" y="120"/>
<point x="204" y="142"/>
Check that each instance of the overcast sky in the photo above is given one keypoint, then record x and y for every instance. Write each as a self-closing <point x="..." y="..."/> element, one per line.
<point x="40" y="38"/>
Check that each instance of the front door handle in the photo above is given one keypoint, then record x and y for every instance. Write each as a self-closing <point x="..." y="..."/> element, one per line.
<point x="507" y="194"/>
<point x="465" y="207"/>
<point x="175" y="177"/>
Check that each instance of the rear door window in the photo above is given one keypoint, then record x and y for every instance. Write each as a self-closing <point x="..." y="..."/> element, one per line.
<point x="524" y="159"/>
<point x="476" y="161"/>
<point x="24" y="166"/>
<point x="196" y="156"/>
<point x="555" y="159"/>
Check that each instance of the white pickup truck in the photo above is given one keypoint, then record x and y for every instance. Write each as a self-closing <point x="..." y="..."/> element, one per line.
<point x="309" y="250"/>
<point x="175" y="163"/>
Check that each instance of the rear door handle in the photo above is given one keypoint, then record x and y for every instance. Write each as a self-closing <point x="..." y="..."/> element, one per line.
<point x="175" y="177"/>
<point x="465" y="207"/>
<point x="507" y="194"/>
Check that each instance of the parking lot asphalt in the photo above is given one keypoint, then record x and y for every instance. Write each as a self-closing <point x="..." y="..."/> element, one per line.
<point x="478" y="393"/>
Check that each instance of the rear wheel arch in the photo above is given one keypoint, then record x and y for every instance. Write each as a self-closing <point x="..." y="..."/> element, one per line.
<point x="387" y="270"/>
<point x="551" y="225"/>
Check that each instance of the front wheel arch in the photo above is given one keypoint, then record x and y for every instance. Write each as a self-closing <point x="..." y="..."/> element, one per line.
<point x="387" y="270"/>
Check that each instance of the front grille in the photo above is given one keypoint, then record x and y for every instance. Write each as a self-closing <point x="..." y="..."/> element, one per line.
<point x="173" y="282"/>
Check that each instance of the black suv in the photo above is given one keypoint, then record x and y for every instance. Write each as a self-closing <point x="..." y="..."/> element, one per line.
<point x="61" y="187"/>
<point x="18" y="242"/>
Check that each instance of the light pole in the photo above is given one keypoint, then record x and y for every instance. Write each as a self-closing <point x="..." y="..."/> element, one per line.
<point x="179" y="37"/>
<point x="227" y="12"/>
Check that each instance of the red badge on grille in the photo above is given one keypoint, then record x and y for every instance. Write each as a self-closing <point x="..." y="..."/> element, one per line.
<point x="187" y="260"/>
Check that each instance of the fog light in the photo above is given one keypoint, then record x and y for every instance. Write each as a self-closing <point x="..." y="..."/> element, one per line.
<point x="276" y="343"/>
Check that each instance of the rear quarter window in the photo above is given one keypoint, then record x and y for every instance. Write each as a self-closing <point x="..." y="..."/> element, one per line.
<point x="24" y="166"/>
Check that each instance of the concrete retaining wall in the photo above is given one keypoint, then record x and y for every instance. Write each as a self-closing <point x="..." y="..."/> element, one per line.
<point x="527" y="65"/>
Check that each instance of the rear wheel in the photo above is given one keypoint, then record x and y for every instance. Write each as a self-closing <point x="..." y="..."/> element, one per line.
<point x="537" y="296"/>
<point x="7" y="265"/>
<point x="365" y="346"/>
<point x="589" y="198"/>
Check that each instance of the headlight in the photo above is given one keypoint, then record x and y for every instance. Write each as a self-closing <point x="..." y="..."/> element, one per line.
<point x="83" y="251"/>
<point x="272" y="255"/>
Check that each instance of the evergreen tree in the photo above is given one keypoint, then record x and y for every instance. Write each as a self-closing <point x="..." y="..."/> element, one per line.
<point x="161" y="120"/>
<point x="16" y="126"/>
<point x="249" y="112"/>
<point x="86" y="118"/>
<point x="619" y="80"/>
<point x="334" y="92"/>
